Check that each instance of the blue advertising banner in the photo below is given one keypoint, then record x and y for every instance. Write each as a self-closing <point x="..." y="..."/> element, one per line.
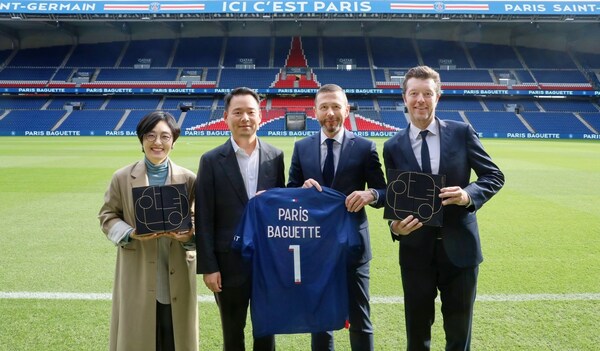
<point x="288" y="133"/>
<point x="491" y="7"/>
<point x="290" y="91"/>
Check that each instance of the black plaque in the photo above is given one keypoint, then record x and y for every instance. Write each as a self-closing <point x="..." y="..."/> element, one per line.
<point x="414" y="193"/>
<point x="161" y="209"/>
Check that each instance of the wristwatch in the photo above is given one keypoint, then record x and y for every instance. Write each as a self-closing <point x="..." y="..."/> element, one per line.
<point x="375" y="195"/>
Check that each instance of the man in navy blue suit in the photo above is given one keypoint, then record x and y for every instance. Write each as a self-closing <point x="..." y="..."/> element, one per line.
<point x="440" y="258"/>
<point x="348" y="163"/>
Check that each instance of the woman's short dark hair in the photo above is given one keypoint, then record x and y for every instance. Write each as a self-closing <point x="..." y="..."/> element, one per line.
<point x="149" y="121"/>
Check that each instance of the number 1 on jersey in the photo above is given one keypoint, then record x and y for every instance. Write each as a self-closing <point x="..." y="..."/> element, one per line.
<point x="297" y="274"/>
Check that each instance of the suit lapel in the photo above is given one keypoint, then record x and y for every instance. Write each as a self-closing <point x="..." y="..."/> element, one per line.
<point x="176" y="175"/>
<point x="232" y="170"/>
<point x="405" y="148"/>
<point x="264" y="157"/>
<point x="444" y="143"/>
<point x="138" y="174"/>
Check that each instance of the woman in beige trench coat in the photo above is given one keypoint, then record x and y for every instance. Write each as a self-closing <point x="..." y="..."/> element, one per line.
<point x="154" y="303"/>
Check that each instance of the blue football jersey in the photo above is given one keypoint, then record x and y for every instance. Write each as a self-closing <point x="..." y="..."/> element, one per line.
<point x="298" y="241"/>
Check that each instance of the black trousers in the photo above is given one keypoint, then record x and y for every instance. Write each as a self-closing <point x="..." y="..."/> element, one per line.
<point x="233" y="305"/>
<point x="165" y="340"/>
<point x="457" y="287"/>
<point x="361" y="329"/>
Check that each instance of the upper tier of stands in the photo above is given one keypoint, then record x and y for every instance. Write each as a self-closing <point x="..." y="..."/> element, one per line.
<point x="374" y="61"/>
<point x="213" y="64"/>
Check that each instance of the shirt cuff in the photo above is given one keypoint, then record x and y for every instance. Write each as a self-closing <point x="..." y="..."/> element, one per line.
<point x="119" y="233"/>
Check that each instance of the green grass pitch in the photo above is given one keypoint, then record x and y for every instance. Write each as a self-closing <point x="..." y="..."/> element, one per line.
<point x="539" y="285"/>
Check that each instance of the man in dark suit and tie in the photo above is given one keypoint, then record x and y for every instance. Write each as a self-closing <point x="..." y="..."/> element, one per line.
<point x="228" y="176"/>
<point x="440" y="258"/>
<point x="345" y="162"/>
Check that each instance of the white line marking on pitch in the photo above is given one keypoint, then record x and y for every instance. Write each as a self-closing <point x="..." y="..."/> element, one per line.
<point x="384" y="300"/>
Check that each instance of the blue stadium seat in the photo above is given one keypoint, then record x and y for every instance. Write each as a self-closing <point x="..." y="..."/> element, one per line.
<point x="22" y="102"/>
<point x="195" y="118"/>
<point x="593" y="119"/>
<point x="256" y="48"/>
<point x="133" y="74"/>
<point x="119" y="102"/>
<point x="554" y="122"/>
<point x="232" y="78"/>
<point x="91" y="120"/>
<point x="158" y="50"/>
<point x="394" y="118"/>
<point x="434" y="50"/>
<point x="96" y="55"/>
<point x="338" y="47"/>
<point x="89" y="102"/>
<point x="134" y="117"/>
<point x="393" y="52"/>
<point x="198" y="52"/>
<point x="30" y="120"/>
<point x="543" y="58"/>
<point x="496" y="122"/>
<point x="451" y="103"/>
<point x="358" y="78"/>
<point x="567" y="105"/>
<point x="51" y="56"/>
<point x="493" y="56"/>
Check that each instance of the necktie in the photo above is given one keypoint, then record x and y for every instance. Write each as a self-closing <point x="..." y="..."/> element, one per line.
<point x="328" y="169"/>
<point x="425" y="161"/>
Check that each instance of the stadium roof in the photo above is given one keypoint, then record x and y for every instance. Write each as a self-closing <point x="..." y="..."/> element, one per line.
<point x="571" y="24"/>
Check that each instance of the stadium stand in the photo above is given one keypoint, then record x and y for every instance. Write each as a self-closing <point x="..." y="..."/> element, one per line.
<point x="393" y="52"/>
<point x="336" y="50"/>
<point x="555" y="122"/>
<point x="451" y="115"/>
<point x="87" y="102"/>
<point x="33" y="74"/>
<point x="134" y="116"/>
<point x="174" y="103"/>
<point x="567" y="105"/>
<point x="51" y="56"/>
<point x="393" y="118"/>
<point x="30" y="120"/>
<point x="119" y="102"/>
<point x="496" y="122"/>
<point x="96" y="55"/>
<point x="593" y="119"/>
<point x="452" y="103"/>
<point x="493" y="56"/>
<point x="232" y="77"/>
<point x="85" y="120"/>
<point x="157" y="51"/>
<point x="502" y="104"/>
<point x="358" y="78"/>
<point x="22" y="102"/>
<point x="298" y="62"/>
<point x="544" y="58"/>
<point x="433" y="51"/>
<point x="243" y="48"/>
<point x="201" y="57"/>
